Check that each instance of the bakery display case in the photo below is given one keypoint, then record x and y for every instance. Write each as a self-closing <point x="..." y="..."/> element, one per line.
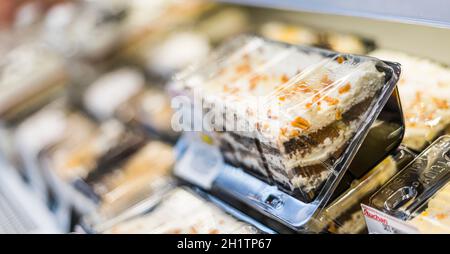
<point x="228" y="116"/>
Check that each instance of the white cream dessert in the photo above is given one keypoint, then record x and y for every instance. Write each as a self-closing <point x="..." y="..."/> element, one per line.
<point x="294" y="34"/>
<point x="295" y="111"/>
<point x="28" y="72"/>
<point x="111" y="90"/>
<point x="436" y="217"/>
<point x="151" y="108"/>
<point x="183" y="213"/>
<point x="77" y="158"/>
<point x="298" y="34"/>
<point x="424" y="89"/>
<point x="139" y="176"/>
<point x="97" y="29"/>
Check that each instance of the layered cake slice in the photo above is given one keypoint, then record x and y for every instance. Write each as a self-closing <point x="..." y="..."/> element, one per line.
<point x="282" y="112"/>
<point x="183" y="213"/>
<point x="424" y="88"/>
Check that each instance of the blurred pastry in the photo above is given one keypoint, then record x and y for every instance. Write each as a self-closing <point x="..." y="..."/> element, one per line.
<point x="424" y="89"/>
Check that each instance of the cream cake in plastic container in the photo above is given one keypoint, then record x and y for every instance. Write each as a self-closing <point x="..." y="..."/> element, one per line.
<point x="30" y="74"/>
<point x="291" y="116"/>
<point x="344" y="214"/>
<point x="96" y="30"/>
<point x="146" y="173"/>
<point x="311" y="106"/>
<point x="424" y="89"/>
<point x="124" y="94"/>
<point x="183" y="212"/>
<point x="420" y="193"/>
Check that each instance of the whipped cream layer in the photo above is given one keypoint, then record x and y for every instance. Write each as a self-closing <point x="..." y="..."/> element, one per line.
<point x="424" y="89"/>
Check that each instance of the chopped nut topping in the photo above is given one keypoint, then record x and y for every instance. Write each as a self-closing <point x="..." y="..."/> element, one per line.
<point x="441" y="103"/>
<point x="295" y="133"/>
<point x="316" y="98"/>
<point x="345" y="88"/>
<point x="284" y="78"/>
<point x="254" y="81"/>
<point x="326" y="80"/>
<point x="331" y="101"/>
<point x="282" y="98"/>
<point x="340" y="59"/>
<point x="301" y="123"/>
<point x="283" y="131"/>
<point x="243" y="68"/>
<point x="214" y="231"/>
<point x="308" y="105"/>
<point x="338" y="114"/>
<point x="441" y="216"/>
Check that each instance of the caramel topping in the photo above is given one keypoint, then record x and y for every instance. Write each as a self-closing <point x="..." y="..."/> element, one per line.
<point x="316" y="98"/>
<point x="345" y="88"/>
<point x="295" y="133"/>
<point x="284" y="78"/>
<point x="441" y="216"/>
<point x="283" y="131"/>
<point x="441" y="103"/>
<point x="340" y="59"/>
<point x="308" y="105"/>
<point x="230" y="90"/>
<point x="254" y="82"/>
<point x="214" y="231"/>
<point x="338" y="114"/>
<point x="193" y="230"/>
<point x="243" y="68"/>
<point x="331" y="101"/>
<point x="301" y="123"/>
<point x="325" y="80"/>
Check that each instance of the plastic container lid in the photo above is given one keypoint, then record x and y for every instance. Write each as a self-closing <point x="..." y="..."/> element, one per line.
<point x="420" y="191"/>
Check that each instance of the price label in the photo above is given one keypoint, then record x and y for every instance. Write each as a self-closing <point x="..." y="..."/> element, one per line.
<point x="381" y="223"/>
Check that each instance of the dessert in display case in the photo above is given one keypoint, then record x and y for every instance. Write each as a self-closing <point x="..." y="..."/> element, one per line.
<point x="419" y="194"/>
<point x="183" y="212"/>
<point x="125" y="94"/>
<point x="288" y="120"/>
<point x="298" y="34"/>
<point x="96" y="30"/>
<point x="424" y="90"/>
<point x="344" y="215"/>
<point x="30" y="74"/>
<point x="228" y="117"/>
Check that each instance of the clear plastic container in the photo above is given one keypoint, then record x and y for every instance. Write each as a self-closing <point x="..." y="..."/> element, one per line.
<point x="419" y="194"/>
<point x="343" y="215"/>
<point x="123" y="94"/>
<point x="424" y="88"/>
<point x="148" y="169"/>
<point x="291" y="116"/>
<point x="30" y="75"/>
<point x="183" y="212"/>
<point x="150" y="111"/>
<point x="97" y="30"/>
